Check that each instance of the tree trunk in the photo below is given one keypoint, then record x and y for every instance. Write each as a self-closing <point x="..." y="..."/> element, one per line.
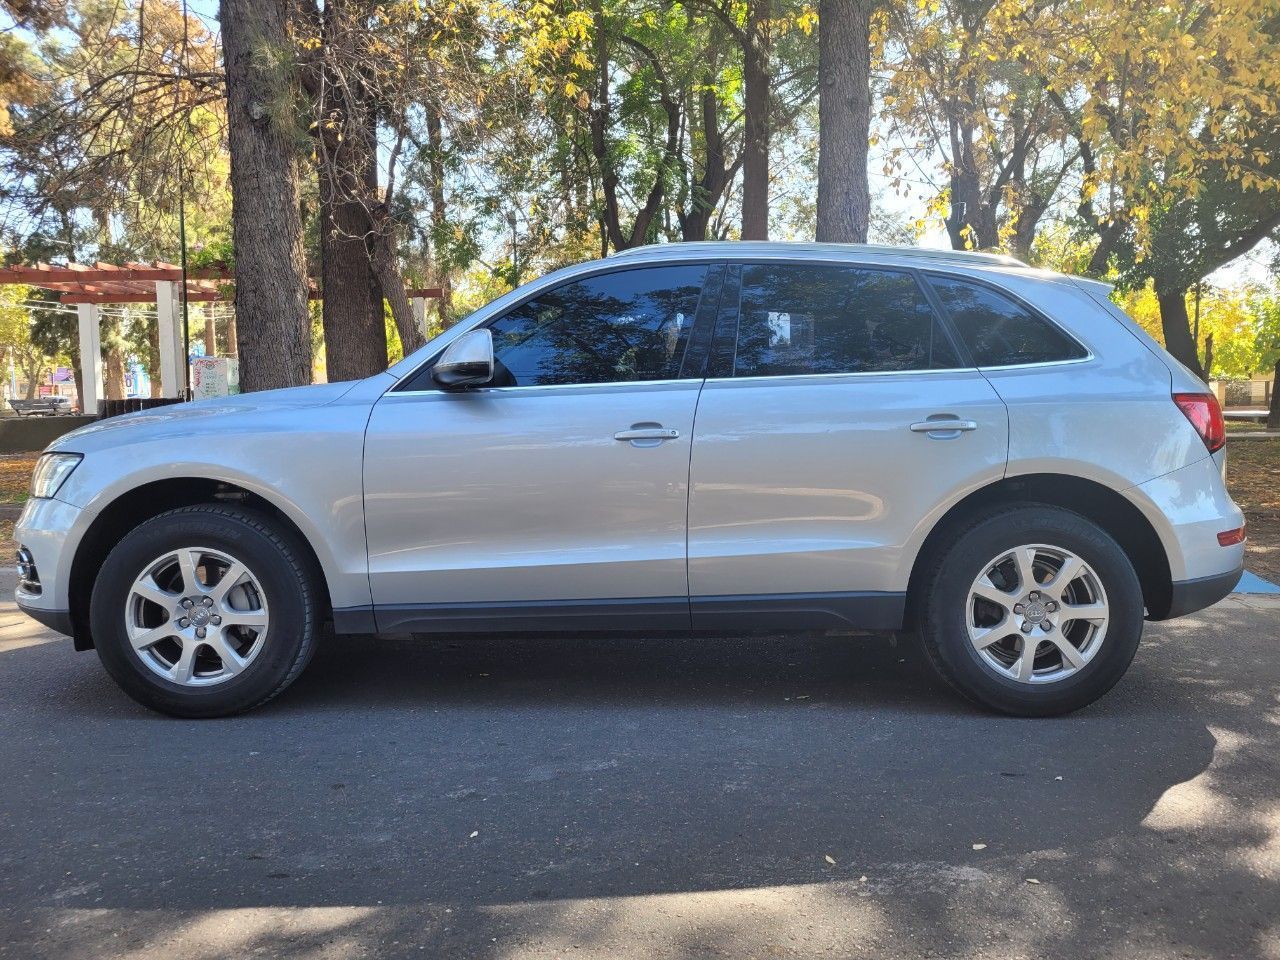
<point x="383" y="254"/>
<point x="113" y="374"/>
<point x="1177" y="328"/>
<point x="717" y="170"/>
<point x="1273" y="412"/>
<point x="271" y="275"/>
<point x="756" y="83"/>
<point x="439" y="212"/>
<point x="844" y="120"/>
<point x="355" y="334"/>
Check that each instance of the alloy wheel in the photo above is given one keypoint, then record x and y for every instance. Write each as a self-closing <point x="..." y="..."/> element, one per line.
<point x="197" y="616"/>
<point x="1037" y="614"/>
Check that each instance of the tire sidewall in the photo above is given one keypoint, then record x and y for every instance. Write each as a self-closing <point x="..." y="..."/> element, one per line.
<point x="238" y="536"/>
<point x="946" y="609"/>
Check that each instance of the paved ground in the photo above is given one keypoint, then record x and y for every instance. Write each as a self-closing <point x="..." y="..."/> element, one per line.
<point x="659" y="799"/>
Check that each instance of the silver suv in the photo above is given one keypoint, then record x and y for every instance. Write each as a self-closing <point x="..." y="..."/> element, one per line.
<point x="689" y="437"/>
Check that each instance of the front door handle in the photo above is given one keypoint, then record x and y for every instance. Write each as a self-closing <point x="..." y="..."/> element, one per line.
<point x="646" y="434"/>
<point x="944" y="427"/>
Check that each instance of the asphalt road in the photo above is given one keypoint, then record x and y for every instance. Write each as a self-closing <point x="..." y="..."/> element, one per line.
<point x="646" y="799"/>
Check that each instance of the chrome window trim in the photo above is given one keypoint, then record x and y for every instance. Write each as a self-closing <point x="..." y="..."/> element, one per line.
<point x="857" y="373"/>
<point x="690" y="382"/>
<point x="1089" y="355"/>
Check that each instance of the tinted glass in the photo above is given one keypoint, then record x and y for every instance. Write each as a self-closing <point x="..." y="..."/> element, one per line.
<point x="797" y="319"/>
<point x="623" y="326"/>
<point x="998" y="330"/>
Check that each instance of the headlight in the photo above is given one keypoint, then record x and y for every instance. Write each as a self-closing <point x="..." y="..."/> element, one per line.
<point x="51" y="471"/>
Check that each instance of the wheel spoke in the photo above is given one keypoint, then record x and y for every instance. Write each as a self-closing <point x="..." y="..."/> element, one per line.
<point x="147" y="588"/>
<point x="1070" y="571"/>
<point x="231" y="660"/>
<point x="235" y="573"/>
<point x="188" y="561"/>
<point x="1084" y="611"/>
<point x="988" y="591"/>
<point x="1024" y="559"/>
<point x="983" y="637"/>
<point x="149" y="638"/>
<point x="1070" y="654"/>
<point x="182" y="671"/>
<point x="257" y="619"/>
<point x="1026" y="664"/>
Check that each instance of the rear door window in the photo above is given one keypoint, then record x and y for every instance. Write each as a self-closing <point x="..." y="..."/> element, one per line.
<point x="797" y="319"/>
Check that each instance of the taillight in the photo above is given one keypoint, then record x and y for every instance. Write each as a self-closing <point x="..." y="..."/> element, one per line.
<point x="1206" y="416"/>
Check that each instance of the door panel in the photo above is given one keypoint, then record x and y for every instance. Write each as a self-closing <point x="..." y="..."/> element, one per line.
<point x="814" y="485"/>
<point x="523" y="496"/>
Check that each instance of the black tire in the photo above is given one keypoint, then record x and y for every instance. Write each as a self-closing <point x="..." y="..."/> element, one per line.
<point x="273" y="555"/>
<point x="960" y="558"/>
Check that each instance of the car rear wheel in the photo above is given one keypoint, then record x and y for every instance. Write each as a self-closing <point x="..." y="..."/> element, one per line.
<point x="205" y="611"/>
<point x="1031" y="610"/>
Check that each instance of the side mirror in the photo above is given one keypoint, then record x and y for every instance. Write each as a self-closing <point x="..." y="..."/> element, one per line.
<point x="467" y="362"/>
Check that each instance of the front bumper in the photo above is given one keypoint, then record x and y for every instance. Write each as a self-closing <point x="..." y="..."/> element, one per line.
<point x="49" y="529"/>
<point x="59" y="620"/>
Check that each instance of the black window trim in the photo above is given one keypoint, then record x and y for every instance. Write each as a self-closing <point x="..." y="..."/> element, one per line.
<point x="717" y="370"/>
<point x="404" y="384"/>
<point x="1008" y="294"/>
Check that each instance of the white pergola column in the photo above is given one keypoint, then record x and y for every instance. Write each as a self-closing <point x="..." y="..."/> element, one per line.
<point x="90" y="316"/>
<point x="420" y="313"/>
<point x="173" y="357"/>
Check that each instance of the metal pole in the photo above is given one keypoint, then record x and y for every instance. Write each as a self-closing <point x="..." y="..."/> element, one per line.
<point x="182" y="232"/>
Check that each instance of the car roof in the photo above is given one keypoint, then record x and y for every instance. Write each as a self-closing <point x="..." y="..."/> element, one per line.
<point x="746" y="249"/>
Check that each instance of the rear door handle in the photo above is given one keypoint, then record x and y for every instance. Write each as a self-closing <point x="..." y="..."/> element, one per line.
<point x="646" y="434"/>
<point x="944" y="425"/>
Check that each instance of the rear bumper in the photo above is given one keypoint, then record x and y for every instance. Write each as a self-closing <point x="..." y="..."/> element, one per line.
<point x="1188" y="596"/>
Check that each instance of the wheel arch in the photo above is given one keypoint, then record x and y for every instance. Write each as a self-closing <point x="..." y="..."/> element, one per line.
<point x="1103" y="505"/>
<point x="147" y="500"/>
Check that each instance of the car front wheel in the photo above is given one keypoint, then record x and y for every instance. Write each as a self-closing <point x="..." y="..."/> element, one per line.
<point x="1031" y="610"/>
<point x="205" y="611"/>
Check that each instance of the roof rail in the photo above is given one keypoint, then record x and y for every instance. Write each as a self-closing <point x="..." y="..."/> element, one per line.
<point x="746" y="247"/>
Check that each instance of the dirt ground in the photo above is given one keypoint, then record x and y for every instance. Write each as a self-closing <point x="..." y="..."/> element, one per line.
<point x="1253" y="476"/>
<point x="15" y="476"/>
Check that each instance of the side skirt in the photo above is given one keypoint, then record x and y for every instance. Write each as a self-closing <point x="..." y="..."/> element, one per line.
<point x="755" y="613"/>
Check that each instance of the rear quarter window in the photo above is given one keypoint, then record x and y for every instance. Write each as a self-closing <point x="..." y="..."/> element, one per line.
<point x="998" y="330"/>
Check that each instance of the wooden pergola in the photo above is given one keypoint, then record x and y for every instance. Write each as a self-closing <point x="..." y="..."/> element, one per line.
<point x="89" y="288"/>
